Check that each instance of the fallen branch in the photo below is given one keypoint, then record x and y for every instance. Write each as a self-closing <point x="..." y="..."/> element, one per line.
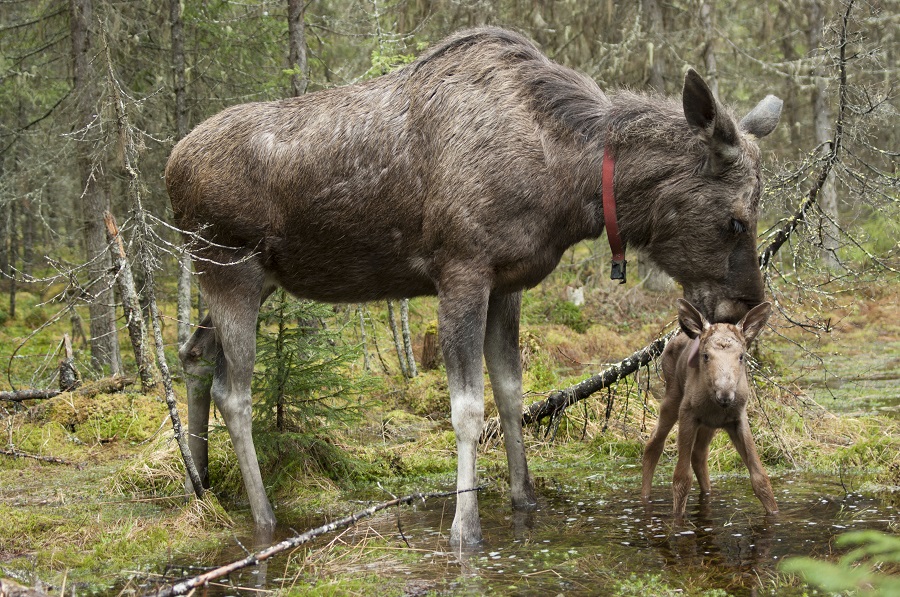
<point x="23" y="395"/>
<point x="555" y="404"/>
<point x="187" y="585"/>
<point x="17" y="454"/>
<point x="101" y="386"/>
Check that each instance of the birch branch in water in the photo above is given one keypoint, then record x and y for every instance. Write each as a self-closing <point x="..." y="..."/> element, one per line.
<point x="189" y="584"/>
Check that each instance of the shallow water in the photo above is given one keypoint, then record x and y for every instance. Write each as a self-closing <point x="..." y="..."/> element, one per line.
<point x="586" y="540"/>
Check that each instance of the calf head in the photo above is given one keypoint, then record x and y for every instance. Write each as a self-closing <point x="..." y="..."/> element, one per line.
<point x="718" y="351"/>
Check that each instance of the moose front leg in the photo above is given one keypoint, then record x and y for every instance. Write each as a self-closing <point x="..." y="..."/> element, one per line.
<point x="501" y="352"/>
<point x="681" y="480"/>
<point x="700" y="457"/>
<point x="462" y="314"/>
<point x="742" y="439"/>
<point x="668" y="416"/>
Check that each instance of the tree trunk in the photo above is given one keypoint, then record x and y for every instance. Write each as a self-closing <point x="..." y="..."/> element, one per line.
<point x="137" y="331"/>
<point x="709" y="47"/>
<point x="431" y="348"/>
<point x="654" y="279"/>
<point x="398" y="342"/>
<point x="13" y="256"/>
<point x="407" y="341"/>
<point x="655" y="67"/>
<point x="362" y="335"/>
<point x="94" y="203"/>
<point x="181" y="129"/>
<point x="822" y="121"/>
<point x="26" y="208"/>
<point x="297" y="47"/>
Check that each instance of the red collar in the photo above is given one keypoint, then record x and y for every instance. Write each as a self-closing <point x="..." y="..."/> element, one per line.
<point x="609" y="218"/>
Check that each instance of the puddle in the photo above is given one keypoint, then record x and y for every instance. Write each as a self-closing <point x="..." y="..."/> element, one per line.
<point x="586" y="541"/>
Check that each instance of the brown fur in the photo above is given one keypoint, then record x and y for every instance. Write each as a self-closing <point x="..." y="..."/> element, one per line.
<point x="466" y="174"/>
<point x="707" y="390"/>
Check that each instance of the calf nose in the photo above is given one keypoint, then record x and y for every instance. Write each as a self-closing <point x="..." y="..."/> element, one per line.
<point x="724" y="398"/>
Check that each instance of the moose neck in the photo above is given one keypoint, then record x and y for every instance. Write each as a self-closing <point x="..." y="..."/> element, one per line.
<point x="652" y="144"/>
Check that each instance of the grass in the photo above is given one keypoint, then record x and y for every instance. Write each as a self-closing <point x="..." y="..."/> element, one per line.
<point x="117" y="512"/>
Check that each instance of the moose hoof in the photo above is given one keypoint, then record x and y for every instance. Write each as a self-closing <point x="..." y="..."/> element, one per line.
<point x="525" y="503"/>
<point x="466" y="534"/>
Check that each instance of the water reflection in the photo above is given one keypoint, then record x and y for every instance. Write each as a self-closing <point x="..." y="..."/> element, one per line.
<point x="580" y="533"/>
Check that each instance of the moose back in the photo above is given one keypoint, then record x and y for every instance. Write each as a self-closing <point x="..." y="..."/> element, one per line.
<point x="465" y="175"/>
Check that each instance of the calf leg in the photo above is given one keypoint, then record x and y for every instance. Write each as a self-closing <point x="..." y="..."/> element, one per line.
<point x="742" y="439"/>
<point x="198" y="359"/>
<point x="462" y="315"/>
<point x="681" y="481"/>
<point x="501" y="352"/>
<point x="700" y="456"/>
<point x="668" y="415"/>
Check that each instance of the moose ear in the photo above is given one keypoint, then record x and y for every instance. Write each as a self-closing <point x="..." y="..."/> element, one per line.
<point x="690" y="319"/>
<point x="709" y="122"/>
<point x="761" y="120"/>
<point x="752" y="323"/>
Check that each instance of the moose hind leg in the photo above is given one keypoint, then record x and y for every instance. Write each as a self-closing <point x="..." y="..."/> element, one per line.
<point x="501" y="353"/>
<point x="234" y="309"/>
<point x="462" y="313"/>
<point x="198" y="360"/>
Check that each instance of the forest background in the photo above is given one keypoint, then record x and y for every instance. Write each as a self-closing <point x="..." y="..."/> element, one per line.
<point x="94" y="94"/>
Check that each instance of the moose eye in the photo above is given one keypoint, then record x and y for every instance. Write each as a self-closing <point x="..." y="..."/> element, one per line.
<point x="741" y="358"/>
<point x="737" y="226"/>
<point x="705" y="357"/>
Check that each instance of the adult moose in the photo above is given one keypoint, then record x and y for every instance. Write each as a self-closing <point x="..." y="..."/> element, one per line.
<point x="466" y="174"/>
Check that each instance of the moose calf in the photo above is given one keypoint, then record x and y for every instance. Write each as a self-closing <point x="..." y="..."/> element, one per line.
<point x="707" y="390"/>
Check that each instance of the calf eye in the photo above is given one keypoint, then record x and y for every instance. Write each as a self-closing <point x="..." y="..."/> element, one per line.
<point x="741" y="358"/>
<point x="705" y="357"/>
<point x="737" y="226"/>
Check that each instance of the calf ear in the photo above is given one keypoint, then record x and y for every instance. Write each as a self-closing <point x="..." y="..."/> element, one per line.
<point x="709" y="122"/>
<point x="690" y="319"/>
<point x="761" y="120"/>
<point x="752" y="323"/>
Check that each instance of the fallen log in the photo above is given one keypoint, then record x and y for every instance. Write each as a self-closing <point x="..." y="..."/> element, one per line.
<point x="101" y="386"/>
